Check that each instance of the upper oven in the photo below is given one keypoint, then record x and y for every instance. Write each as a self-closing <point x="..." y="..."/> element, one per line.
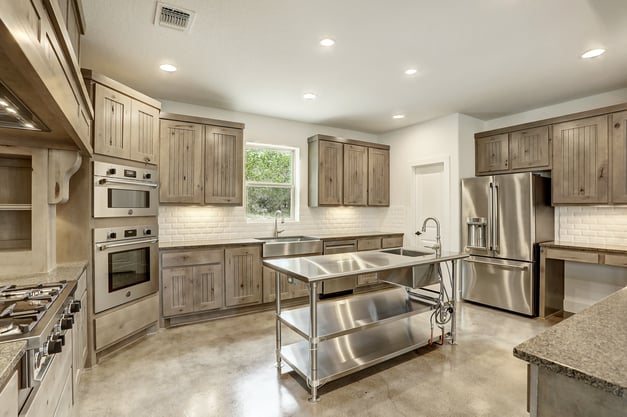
<point x="123" y="191"/>
<point x="126" y="264"/>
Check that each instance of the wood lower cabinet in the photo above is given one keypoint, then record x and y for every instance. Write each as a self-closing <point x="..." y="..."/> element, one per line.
<point x="290" y="288"/>
<point x="618" y="127"/>
<point x="80" y="346"/>
<point x="8" y="397"/>
<point x="192" y="281"/>
<point x="355" y="175"/>
<point x="224" y="162"/>
<point x="530" y="149"/>
<point x="181" y="162"/>
<point x="242" y="276"/>
<point x="378" y="177"/>
<point x="492" y="154"/>
<point x="580" y="164"/>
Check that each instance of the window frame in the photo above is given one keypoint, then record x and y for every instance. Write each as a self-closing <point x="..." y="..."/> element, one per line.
<point x="294" y="185"/>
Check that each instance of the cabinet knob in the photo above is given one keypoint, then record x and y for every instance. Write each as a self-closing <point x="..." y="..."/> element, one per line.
<point x="616" y="125"/>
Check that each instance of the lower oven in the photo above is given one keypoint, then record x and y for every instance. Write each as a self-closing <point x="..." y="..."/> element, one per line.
<point x="126" y="261"/>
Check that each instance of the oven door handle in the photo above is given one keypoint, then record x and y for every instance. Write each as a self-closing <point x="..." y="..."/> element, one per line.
<point x="104" y="181"/>
<point x="105" y="246"/>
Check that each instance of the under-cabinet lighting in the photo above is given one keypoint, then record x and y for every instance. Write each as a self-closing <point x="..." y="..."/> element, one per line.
<point x="167" y="67"/>
<point x="327" y="42"/>
<point x="411" y="71"/>
<point x="398" y="116"/>
<point x="11" y="110"/>
<point x="593" y="53"/>
<point x="29" y="125"/>
<point x="4" y="103"/>
<point x="309" y="96"/>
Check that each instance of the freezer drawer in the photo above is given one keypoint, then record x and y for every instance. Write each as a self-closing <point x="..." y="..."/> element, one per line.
<point x="499" y="283"/>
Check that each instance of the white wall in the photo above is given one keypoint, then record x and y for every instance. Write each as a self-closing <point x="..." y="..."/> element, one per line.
<point x="179" y="223"/>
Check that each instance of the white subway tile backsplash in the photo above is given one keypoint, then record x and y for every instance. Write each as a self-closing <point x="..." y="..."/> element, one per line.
<point x="592" y="225"/>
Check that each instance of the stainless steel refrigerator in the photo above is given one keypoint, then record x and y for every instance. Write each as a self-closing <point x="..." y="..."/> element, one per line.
<point x="504" y="217"/>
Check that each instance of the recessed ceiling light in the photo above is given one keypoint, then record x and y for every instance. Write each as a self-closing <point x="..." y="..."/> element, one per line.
<point x="593" y="53"/>
<point x="167" y="67"/>
<point x="327" y="42"/>
<point x="398" y="116"/>
<point x="11" y="110"/>
<point x="309" y="96"/>
<point x="411" y="71"/>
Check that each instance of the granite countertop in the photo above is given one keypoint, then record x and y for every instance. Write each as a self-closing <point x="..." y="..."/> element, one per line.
<point x="590" y="346"/>
<point x="10" y="355"/>
<point x="323" y="267"/>
<point x="69" y="272"/>
<point x="595" y="247"/>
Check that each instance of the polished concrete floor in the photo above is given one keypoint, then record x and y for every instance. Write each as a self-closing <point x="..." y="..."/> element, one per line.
<point x="226" y="368"/>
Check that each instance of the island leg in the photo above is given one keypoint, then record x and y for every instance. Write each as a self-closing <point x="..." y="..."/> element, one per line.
<point x="454" y="301"/>
<point x="278" y="364"/>
<point x="313" y="341"/>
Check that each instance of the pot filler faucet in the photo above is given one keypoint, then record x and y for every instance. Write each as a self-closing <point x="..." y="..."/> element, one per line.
<point x="437" y="247"/>
<point x="276" y="227"/>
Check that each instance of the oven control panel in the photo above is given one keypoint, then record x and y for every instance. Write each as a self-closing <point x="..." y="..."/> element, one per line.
<point x="110" y="234"/>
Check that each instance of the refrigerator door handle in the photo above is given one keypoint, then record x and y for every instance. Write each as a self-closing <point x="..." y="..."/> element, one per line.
<point x="490" y="225"/>
<point x="500" y="265"/>
<point x="495" y="210"/>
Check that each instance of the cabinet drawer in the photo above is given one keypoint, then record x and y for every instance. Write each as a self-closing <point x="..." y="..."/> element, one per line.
<point x="391" y="242"/>
<point x="195" y="257"/>
<point x="123" y="322"/>
<point x="369" y="243"/>
<point x="616" y="260"/>
<point x="573" y="255"/>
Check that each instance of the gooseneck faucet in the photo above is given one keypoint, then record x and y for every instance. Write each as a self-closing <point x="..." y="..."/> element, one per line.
<point x="437" y="247"/>
<point x="276" y="227"/>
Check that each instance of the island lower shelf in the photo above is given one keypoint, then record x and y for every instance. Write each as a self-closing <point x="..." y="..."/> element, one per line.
<point x="352" y="352"/>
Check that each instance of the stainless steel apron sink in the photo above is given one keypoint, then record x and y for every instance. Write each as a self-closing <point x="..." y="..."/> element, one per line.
<point x="290" y="245"/>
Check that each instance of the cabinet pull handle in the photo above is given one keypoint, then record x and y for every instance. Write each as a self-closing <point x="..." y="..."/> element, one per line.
<point x="602" y="168"/>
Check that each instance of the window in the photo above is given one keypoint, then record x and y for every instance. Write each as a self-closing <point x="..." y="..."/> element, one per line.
<point x="270" y="181"/>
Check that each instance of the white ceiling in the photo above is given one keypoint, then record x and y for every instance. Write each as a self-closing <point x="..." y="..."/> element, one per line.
<point x="485" y="58"/>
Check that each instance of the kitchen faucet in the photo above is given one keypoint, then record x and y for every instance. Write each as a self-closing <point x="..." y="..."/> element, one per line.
<point x="276" y="227"/>
<point x="437" y="247"/>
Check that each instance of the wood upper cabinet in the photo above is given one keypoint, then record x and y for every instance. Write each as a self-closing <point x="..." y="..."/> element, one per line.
<point x="112" y="122"/>
<point x="144" y="133"/>
<point x="224" y="156"/>
<point x="181" y="162"/>
<point x="619" y="157"/>
<point x="355" y="175"/>
<point x="378" y="177"/>
<point x="530" y="149"/>
<point x="580" y="164"/>
<point x="243" y="275"/>
<point x="492" y="154"/>
<point x="326" y="173"/>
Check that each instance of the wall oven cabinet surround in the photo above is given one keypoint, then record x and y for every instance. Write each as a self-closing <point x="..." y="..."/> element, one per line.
<point x="201" y="160"/>
<point x="348" y="172"/>
<point x="124" y="191"/>
<point x="126" y="123"/>
<point x="126" y="265"/>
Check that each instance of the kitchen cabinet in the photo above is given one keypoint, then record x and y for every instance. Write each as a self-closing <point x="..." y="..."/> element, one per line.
<point x="492" y="154"/>
<point x="290" y="288"/>
<point x="126" y="123"/>
<point x="347" y="172"/>
<point x="80" y="347"/>
<point x="8" y="398"/>
<point x="192" y="281"/>
<point x="580" y="164"/>
<point x="530" y="149"/>
<point x="201" y="160"/>
<point x="224" y="165"/>
<point x="619" y="157"/>
<point x="181" y="162"/>
<point x="378" y="177"/>
<point x="355" y="175"/>
<point x="243" y="275"/>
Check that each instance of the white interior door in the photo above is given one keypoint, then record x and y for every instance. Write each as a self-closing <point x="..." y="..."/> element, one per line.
<point x="432" y="199"/>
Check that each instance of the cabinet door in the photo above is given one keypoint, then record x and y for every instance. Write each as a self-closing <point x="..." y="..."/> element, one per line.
<point x="619" y="157"/>
<point x="269" y="286"/>
<point x="530" y="149"/>
<point x="224" y="158"/>
<point x="243" y="275"/>
<point x="355" y="175"/>
<point x="144" y="133"/>
<point x="580" y="163"/>
<point x="491" y="154"/>
<point x="79" y="347"/>
<point x="8" y="398"/>
<point x="378" y="177"/>
<point x="180" y="162"/>
<point x="208" y="294"/>
<point x="112" y="123"/>
<point x="178" y="288"/>
<point x="330" y="173"/>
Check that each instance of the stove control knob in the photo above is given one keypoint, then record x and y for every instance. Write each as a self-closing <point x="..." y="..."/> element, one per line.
<point x="60" y="337"/>
<point x="111" y="171"/>
<point x="147" y="232"/>
<point x="54" y="346"/>
<point x="67" y="322"/>
<point x="112" y="235"/>
<point x="75" y="307"/>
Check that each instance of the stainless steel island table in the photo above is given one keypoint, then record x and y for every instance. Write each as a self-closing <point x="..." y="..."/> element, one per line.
<point x="346" y="335"/>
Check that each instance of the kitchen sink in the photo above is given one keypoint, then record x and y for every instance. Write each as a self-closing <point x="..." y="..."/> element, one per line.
<point x="290" y="246"/>
<point x="414" y="276"/>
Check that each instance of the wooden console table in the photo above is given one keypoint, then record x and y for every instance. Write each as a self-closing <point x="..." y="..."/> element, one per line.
<point x="552" y="257"/>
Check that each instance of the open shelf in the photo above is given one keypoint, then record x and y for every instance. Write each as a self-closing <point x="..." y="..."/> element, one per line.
<point x="356" y="351"/>
<point x="15" y="202"/>
<point x="353" y="314"/>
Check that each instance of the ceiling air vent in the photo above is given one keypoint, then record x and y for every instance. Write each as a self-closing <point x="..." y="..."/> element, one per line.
<point x="174" y="17"/>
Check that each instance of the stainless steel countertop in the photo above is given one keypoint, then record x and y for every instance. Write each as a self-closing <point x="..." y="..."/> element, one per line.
<point x="322" y="267"/>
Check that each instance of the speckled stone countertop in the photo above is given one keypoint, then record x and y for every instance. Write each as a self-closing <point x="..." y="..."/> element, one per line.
<point x="69" y="272"/>
<point x="189" y="244"/>
<point x="585" y="246"/>
<point x="590" y="346"/>
<point x="10" y="355"/>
